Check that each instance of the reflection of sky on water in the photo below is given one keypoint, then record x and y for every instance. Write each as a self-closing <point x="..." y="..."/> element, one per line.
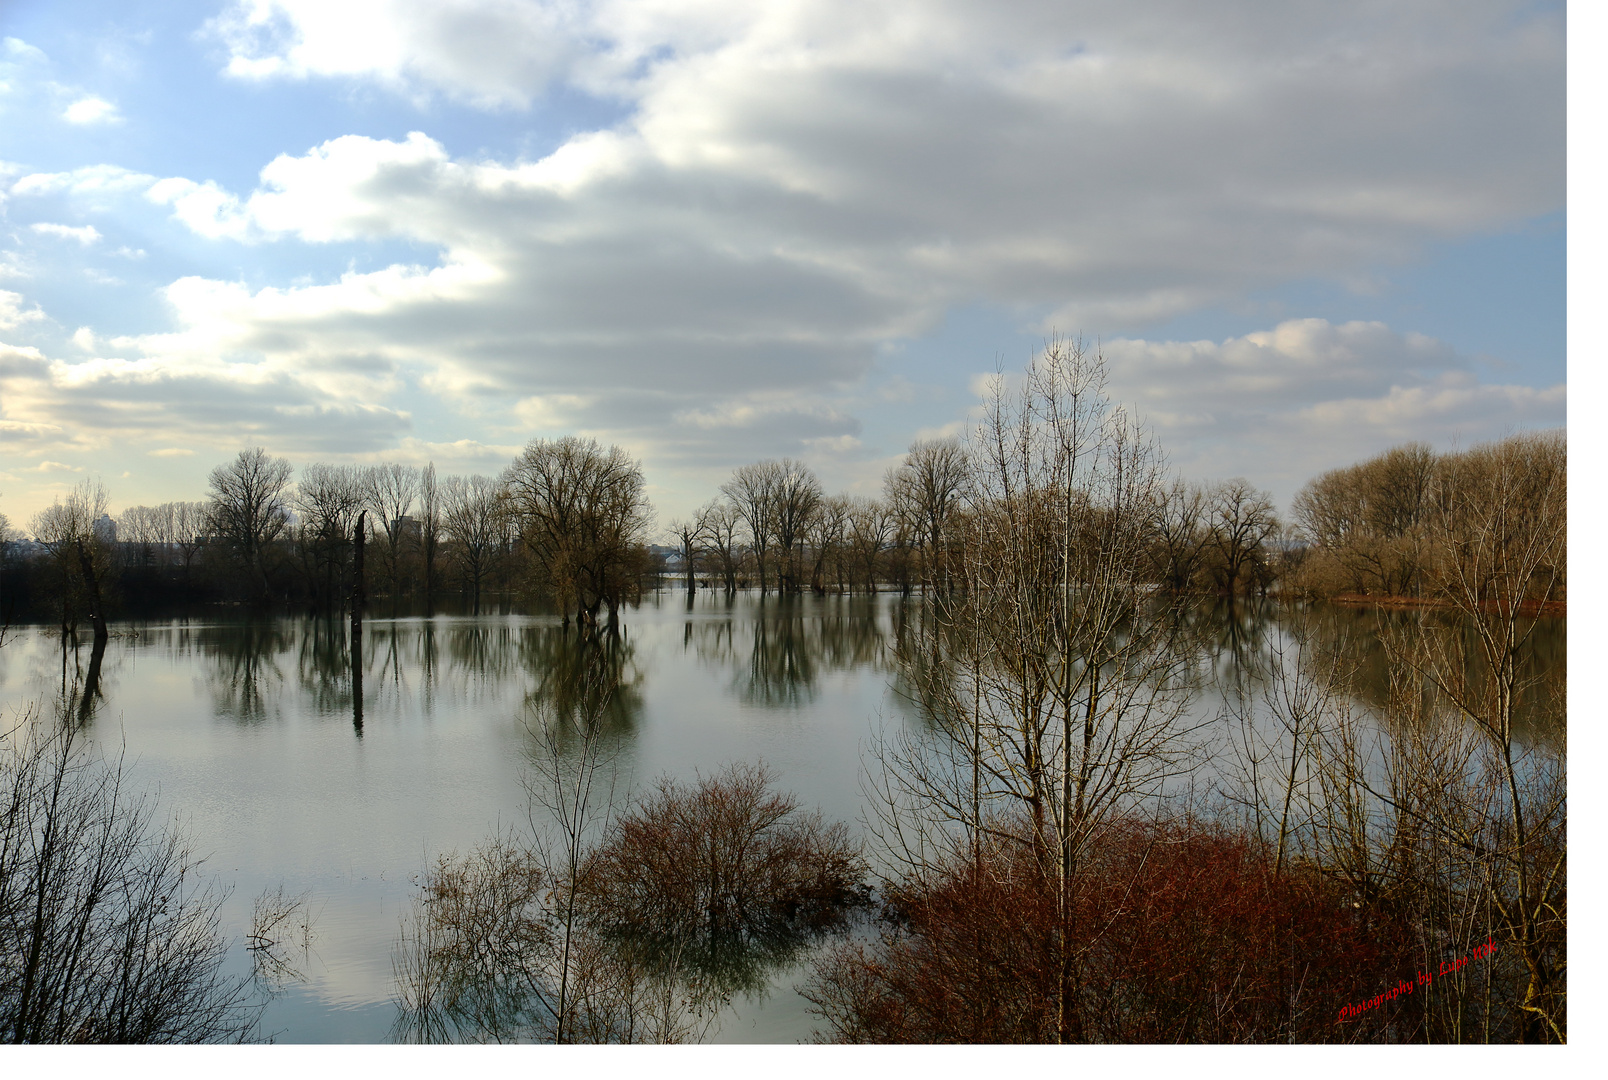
<point x="246" y="730"/>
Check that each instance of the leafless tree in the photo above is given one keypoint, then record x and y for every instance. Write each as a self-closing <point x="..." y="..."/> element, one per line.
<point x="108" y="931"/>
<point x="691" y="534"/>
<point x="328" y="500"/>
<point x="723" y="525"/>
<point x="928" y="486"/>
<point x="68" y="531"/>
<point x="246" y="508"/>
<point x="429" y="523"/>
<point x="752" y="490"/>
<point x="390" y="491"/>
<point x="584" y="517"/>
<point x="869" y="529"/>
<point x="472" y="518"/>
<point x="1058" y="698"/>
<point x="1181" y="535"/>
<point x="828" y="537"/>
<point x="1243" y="523"/>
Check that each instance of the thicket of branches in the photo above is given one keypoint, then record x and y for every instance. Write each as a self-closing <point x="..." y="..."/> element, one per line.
<point x="1071" y="857"/>
<point x="1399" y="524"/>
<point x="109" y="932"/>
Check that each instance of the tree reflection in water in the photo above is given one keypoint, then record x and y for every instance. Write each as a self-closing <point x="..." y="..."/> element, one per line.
<point x="692" y="896"/>
<point x="245" y="675"/>
<point x="793" y="642"/>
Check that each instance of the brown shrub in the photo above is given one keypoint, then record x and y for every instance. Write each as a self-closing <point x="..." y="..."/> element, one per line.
<point x="727" y="861"/>
<point x="1174" y="932"/>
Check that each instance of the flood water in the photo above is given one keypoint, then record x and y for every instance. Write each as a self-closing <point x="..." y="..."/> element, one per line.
<point x="249" y="732"/>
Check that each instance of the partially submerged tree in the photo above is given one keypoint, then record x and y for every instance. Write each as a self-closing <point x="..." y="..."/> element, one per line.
<point x="928" y="486"/>
<point x="472" y="520"/>
<point x="68" y="530"/>
<point x="584" y="517"/>
<point x="247" y="511"/>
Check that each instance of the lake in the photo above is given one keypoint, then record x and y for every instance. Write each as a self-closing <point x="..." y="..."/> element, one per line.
<point x="248" y="731"/>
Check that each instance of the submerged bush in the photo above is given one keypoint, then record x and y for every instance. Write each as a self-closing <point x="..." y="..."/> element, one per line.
<point x="1180" y="932"/>
<point x="690" y="896"/>
<point x="727" y="860"/>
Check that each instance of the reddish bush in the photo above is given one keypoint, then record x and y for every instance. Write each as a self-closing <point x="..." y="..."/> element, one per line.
<point x="1178" y="932"/>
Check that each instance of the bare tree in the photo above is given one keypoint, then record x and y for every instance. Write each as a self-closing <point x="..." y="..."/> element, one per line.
<point x="391" y="489"/>
<point x="690" y="534"/>
<point x="869" y="528"/>
<point x="796" y="498"/>
<point x="583" y="515"/>
<point x="752" y="490"/>
<point x="328" y="499"/>
<point x="1243" y="523"/>
<point x="929" y="485"/>
<point x="1181" y="535"/>
<point x="108" y="931"/>
<point x="723" y="533"/>
<point x="429" y="523"/>
<point x="472" y="517"/>
<point x="828" y="535"/>
<point x="1500" y="525"/>
<point x="1057" y="697"/>
<point x="246" y="508"/>
<point x="68" y="531"/>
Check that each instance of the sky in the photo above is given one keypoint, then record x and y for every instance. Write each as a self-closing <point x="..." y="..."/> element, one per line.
<point x="716" y="232"/>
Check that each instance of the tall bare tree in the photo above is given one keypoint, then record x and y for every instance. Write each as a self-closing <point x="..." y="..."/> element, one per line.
<point x="328" y="500"/>
<point x="1057" y="696"/>
<point x="928" y="486"/>
<point x="723" y="525"/>
<point x="68" y="530"/>
<point x="246" y="509"/>
<point x="752" y="491"/>
<point x="583" y="515"/>
<point x="1181" y="535"/>
<point x="391" y="490"/>
<point x="429" y="523"/>
<point x="472" y="518"/>
<point x="796" y="497"/>
<point x="1243" y="524"/>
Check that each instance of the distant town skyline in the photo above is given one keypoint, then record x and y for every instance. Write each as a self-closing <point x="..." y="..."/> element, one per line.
<point x="714" y="233"/>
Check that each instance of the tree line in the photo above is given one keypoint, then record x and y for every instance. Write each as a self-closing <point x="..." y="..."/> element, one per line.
<point x="568" y="521"/>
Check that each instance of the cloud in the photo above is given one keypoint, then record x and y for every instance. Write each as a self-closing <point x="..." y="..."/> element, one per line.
<point x="56" y="466"/>
<point x="171" y="451"/>
<point x="91" y="110"/>
<point x="1281" y="405"/>
<point x="12" y="314"/>
<point x="91" y="405"/>
<point x="88" y="180"/>
<point x="84" y="234"/>
<point x="491" y="55"/>
<point x="790" y="187"/>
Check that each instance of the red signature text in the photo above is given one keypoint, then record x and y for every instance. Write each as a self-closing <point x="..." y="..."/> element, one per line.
<point x="1447" y="967"/>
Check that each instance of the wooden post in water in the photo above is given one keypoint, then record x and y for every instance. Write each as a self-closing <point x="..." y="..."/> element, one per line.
<point x="358" y="599"/>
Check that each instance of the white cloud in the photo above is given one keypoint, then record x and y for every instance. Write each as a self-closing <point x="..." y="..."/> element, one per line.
<point x="171" y="451"/>
<point x="91" y="110"/>
<point x="18" y="49"/>
<point x="1281" y="405"/>
<point x="90" y="180"/>
<point x="12" y="314"/>
<point x="493" y="55"/>
<point x="794" y="185"/>
<point x="84" y="234"/>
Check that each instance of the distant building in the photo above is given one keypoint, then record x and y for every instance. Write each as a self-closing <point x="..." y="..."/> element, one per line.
<point x="106" y="529"/>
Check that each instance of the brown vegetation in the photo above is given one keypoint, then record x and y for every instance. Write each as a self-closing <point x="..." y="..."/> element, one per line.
<point x="1179" y="932"/>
